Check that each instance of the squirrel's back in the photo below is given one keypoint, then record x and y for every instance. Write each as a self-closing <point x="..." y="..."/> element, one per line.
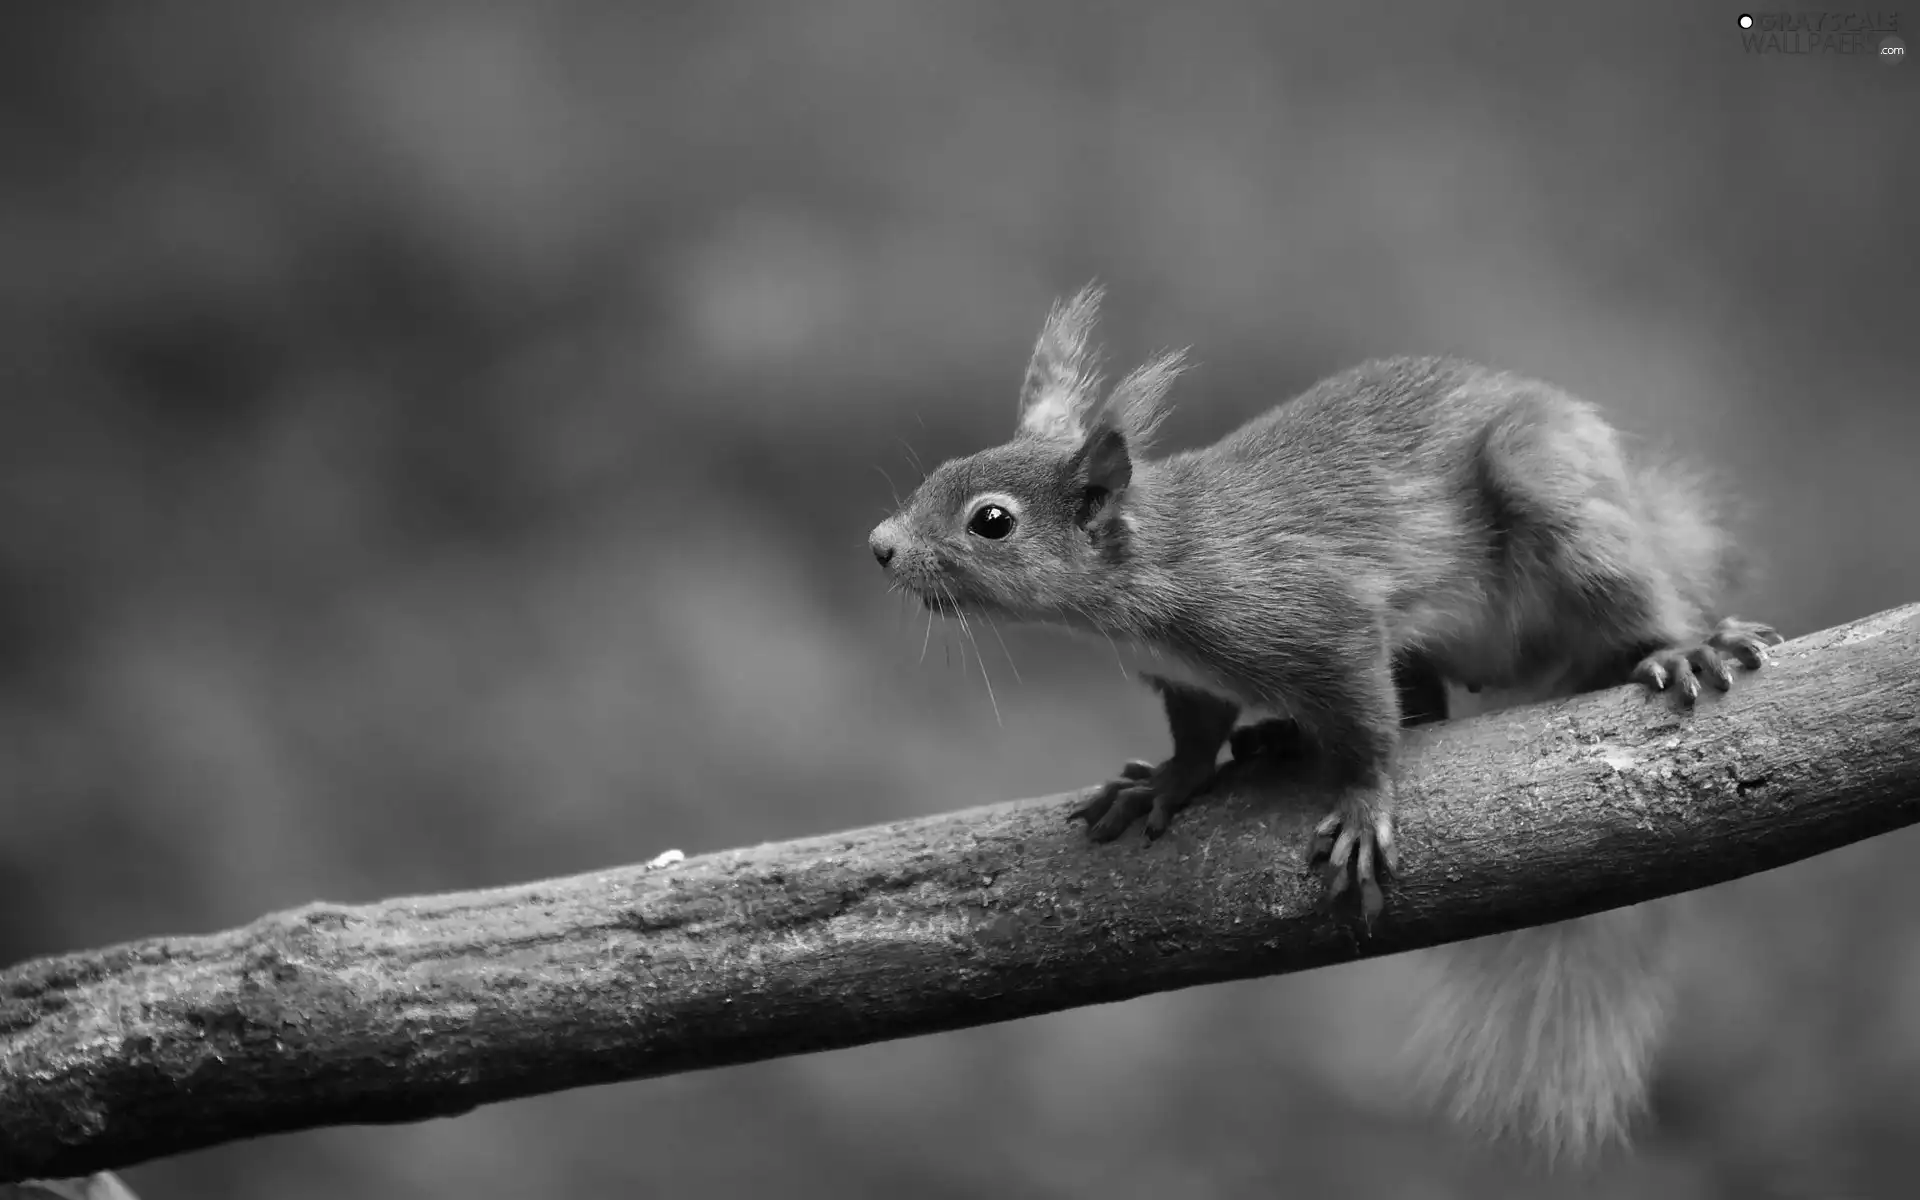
<point x="1491" y="514"/>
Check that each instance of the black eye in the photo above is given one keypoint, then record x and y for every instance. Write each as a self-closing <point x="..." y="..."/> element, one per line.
<point x="990" y="521"/>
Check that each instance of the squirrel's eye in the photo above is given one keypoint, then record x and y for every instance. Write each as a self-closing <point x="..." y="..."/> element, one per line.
<point x="990" y="521"/>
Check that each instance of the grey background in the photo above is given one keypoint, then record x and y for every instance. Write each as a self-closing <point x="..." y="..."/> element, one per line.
<point x="438" y="443"/>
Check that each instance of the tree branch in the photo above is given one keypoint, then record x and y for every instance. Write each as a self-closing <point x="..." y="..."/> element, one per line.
<point x="427" y="1006"/>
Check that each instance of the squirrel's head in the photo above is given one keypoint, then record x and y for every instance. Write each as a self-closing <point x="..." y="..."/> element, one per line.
<point x="1033" y="529"/>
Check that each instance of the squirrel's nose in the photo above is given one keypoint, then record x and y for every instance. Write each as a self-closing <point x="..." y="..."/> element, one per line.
<point x="881" y="543"/>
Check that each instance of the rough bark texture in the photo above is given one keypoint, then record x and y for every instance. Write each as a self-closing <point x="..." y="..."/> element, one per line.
<point x="422" y="1007"/>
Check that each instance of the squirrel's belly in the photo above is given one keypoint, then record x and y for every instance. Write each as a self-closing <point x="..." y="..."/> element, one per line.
<point x="1138" y="659"/>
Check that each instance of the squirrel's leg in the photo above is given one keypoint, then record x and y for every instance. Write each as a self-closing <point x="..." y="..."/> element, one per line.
<point x="1200" y="722"/>
<point x="1359" y="731"/>
<point x="1623" y="564"/>
<point x="1423" y="699"/>
<point x="1654" y="636"/>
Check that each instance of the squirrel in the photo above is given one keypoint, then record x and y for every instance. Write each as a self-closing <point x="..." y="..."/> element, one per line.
<point x="1331" y="568"/>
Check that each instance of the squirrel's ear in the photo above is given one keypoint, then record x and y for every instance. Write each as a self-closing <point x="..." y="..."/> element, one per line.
<point x="1062" y="380"/>
<point x="1104" y="463"/>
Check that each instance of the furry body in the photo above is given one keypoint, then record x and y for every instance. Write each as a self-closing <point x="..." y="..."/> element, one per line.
<point x="1336" y="562"/>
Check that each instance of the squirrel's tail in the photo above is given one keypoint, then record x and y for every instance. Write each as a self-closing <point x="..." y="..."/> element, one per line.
<point x="1546" y="1034"/>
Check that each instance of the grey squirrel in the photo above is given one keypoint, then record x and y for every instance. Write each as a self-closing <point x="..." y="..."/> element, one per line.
<point x="1331" y="566"/>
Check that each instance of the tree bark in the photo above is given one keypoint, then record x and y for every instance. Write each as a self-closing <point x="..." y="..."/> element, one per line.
<point x="427" y="1006"/>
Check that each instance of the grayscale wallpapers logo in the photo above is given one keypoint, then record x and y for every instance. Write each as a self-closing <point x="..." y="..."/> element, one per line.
<point x="1814" y="31"/>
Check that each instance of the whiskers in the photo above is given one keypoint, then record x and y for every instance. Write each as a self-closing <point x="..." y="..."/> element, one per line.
<point x="942" y="602"/>
<point x="891" y="485"/>
<point x="913" y="458"/>
<point x="908" y="595"/>
<point x="1003" y="648"/>
<point x="966" y="627"/>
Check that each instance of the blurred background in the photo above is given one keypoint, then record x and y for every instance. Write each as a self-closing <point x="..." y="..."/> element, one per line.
<point x="439" y="440"/>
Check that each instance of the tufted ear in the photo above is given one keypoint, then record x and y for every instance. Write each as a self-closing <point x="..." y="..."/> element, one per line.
<point x="1139" y="401"/>
<point x="1062" y="379"/>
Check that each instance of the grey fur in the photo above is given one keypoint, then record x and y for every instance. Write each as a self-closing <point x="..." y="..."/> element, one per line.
<point x="1488" y="523"/>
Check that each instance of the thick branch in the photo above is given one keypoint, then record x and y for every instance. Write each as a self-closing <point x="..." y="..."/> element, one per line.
<point x="427" y="1006"/>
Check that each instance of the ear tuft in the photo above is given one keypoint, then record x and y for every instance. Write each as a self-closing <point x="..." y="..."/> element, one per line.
<point x="1062" y="378"/>
<point x="1139" y="402"/>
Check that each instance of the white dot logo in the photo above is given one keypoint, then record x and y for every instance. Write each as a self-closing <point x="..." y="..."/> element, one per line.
<point x="1746" y="21"/>
<point x="1893" y="50"/>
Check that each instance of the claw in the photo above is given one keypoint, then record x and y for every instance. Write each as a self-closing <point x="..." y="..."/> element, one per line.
<point x="1127" y="807"/>
<point x="1321" y="844"/>
<point x="1357" y="841"/>
<point x="1384" y="843"/>
<point x="1688" y="684"/>
<point x="1714" y="666"/>
<point x="1746" y="641"/>
<point x="1682" y="667"/>
<point x="1371" y="901"/>
<point x="1336" y="885"/>
<point x="1342" y="852"/>
<point x="1751" y="652"/>
<point x="1096" y="805"/>
<point x="1157" y="822"/>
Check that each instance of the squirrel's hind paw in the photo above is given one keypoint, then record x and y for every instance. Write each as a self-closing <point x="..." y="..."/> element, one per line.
<point x="1745" y="640"/>
<point x="1141" y="789"/>
<point x="1356" y="840"/>
<point x="1680" y="667"/>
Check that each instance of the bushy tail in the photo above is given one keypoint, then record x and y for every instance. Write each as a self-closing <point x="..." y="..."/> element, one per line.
<point x="1546" y="1034"/>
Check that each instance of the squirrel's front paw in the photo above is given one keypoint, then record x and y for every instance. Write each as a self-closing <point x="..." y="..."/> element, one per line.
<point x="1680" y="667"/>
<point x="1356" y="840"/>
<point x="1141" y="788"/>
